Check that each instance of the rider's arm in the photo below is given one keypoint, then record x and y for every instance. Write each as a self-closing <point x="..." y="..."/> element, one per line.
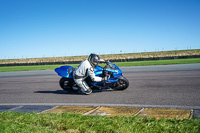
<point x="92" y="75"/>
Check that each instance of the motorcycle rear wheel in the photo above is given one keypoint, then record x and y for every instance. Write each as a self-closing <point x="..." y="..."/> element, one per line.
<point x="66" y="84"/>
<point x="122" y="84"/>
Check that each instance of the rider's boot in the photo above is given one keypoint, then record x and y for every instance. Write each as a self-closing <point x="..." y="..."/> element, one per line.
<point x="86" y="92"/>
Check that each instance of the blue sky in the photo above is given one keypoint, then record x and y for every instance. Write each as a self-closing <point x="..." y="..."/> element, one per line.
<point x="52" y="28"/>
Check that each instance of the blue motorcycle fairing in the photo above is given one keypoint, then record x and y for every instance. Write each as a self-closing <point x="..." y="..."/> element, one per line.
<point x="98" y="71"/>
<point x="65" y="71"/>
<point x="112" y="68"/>
<point x="117" y="74"/>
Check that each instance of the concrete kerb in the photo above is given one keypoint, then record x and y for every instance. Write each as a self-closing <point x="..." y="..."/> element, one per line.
<point x="158" y="112"/>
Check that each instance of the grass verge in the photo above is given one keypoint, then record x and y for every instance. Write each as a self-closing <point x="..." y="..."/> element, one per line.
<point x="159" y="62"/>
<point x="120" y="64"/>
<point x="176" y="53"/>
<point x="30" y="122"/>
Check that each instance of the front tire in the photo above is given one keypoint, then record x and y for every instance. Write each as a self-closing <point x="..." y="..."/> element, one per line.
<point x="66" y="84"/>
<point x="121" y="84"/>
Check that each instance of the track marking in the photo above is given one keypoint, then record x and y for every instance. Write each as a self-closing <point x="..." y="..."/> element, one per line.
<point x="18" y="107"/>
<point x="101" y="104"/>
<point x="139" y="112"/>
<point x="91" y="111"/>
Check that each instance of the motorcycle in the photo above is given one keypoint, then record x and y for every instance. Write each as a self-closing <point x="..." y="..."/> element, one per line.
<point x="115" y="79"/>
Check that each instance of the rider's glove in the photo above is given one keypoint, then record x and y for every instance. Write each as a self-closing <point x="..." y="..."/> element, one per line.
<point x="107" y="62"/>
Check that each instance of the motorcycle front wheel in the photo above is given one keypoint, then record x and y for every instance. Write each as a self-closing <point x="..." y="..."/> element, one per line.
<point x="121" y="84"/>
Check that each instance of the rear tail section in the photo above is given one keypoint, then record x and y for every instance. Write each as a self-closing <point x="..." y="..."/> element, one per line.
<point x="65" y="71"/>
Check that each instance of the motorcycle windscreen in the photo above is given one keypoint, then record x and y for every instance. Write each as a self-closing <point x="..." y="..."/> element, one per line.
<point x="65" y="71"/>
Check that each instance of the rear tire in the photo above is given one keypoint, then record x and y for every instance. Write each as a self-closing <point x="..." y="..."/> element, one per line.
<point x="66" y="84"/>
<point x="121" y="84"/>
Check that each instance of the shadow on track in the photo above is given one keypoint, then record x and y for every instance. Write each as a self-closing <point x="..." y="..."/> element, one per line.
<point x="70" y="93"/>
<point x="53" y="92"/>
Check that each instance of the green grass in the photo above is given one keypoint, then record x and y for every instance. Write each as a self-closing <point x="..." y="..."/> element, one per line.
<point x="159" y="62"/>
<point x="106" y="57"/>
<point x="120" y="64"/>
<point x="31" y="68"/>
<point x="13" y="122"/>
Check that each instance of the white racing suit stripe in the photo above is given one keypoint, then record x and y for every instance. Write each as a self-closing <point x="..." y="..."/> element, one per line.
<point x="82" y="84"/>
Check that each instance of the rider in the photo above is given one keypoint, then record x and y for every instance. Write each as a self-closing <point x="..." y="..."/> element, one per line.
<point x="85" y="69"/>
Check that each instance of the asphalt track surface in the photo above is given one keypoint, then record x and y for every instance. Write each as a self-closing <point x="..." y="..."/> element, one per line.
<point x="170" y="86"/>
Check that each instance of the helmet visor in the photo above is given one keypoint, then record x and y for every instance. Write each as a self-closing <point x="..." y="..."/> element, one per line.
<point x="95" y="61"/>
